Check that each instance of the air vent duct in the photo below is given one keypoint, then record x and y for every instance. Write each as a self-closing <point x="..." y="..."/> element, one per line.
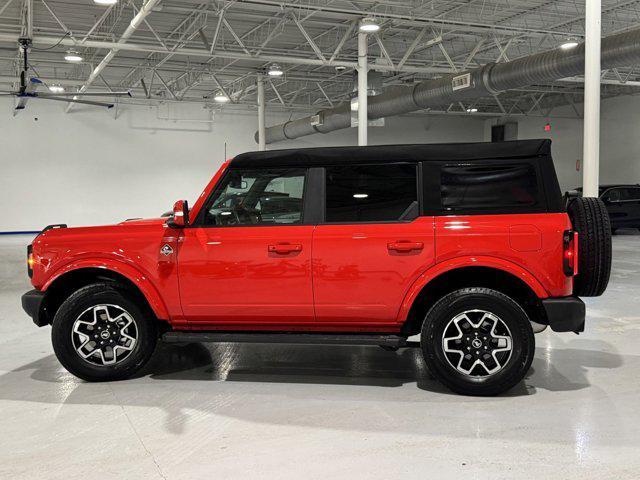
<point x="617" y="50"/>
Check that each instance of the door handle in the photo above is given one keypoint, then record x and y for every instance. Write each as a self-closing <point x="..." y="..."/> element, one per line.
<point x="283" y="248"/>
<point x="405" y="246"/>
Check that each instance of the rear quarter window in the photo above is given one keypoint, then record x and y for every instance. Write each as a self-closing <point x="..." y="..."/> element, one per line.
<point x="491" y="188"/>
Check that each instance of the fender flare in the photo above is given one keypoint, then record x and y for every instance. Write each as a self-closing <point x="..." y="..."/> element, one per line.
<point x="449" y="265"/>
<point x="130" y="273"/>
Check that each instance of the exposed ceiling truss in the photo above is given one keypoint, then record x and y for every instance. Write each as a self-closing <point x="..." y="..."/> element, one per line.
<point x="188" y="50"/>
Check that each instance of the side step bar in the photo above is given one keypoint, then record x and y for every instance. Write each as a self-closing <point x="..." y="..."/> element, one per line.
<point x="392" y="341"/>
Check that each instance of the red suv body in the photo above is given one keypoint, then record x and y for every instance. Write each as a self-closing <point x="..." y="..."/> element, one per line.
<point x="363" y="242"/>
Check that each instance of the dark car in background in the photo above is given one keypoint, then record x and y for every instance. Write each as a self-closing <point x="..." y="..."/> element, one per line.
<point x="623" y="204"/>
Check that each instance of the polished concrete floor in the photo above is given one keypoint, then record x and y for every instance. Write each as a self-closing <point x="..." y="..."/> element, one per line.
<point x="264" y="411"/>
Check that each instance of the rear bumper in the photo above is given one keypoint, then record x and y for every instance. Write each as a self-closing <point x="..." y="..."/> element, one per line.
<point x="31" y="303"/>
<point x="565" y="314"/>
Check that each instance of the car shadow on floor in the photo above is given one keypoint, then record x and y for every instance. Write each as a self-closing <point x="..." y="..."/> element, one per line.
<point x="562" y="369"/>
<point x="333" y="365"/>
<point x="557" y="369"/>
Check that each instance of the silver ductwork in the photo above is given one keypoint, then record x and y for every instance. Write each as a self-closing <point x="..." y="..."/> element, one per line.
<point x="617" y="50"/>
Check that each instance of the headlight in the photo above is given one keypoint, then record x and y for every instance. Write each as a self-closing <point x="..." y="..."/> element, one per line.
<point x="30" y="260"/>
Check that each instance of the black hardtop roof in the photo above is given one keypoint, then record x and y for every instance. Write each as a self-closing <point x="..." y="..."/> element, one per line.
<point x="394" y="153"/>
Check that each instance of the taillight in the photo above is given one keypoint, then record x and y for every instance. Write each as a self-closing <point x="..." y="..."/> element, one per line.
<point x="570" y="253"/>
<point x="30" y="261"/>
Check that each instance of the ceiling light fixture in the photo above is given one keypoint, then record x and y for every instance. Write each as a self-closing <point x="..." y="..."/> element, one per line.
<point x="105" y="2"/>
<point x="369" y="25"/>
<point x="72" y="56"/>
<point x="275" y="70"/>
<point x="221" y="98"/>
<point x="56" y="88"/>
<point x="569" y="43"/>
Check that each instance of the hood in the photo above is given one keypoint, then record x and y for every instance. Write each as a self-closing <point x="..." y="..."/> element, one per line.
<point x="144" y="221"/>
<point x="62" y="231"/>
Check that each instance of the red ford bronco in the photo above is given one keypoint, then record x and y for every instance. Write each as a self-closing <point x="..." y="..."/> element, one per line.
<point x="470" y="245"/>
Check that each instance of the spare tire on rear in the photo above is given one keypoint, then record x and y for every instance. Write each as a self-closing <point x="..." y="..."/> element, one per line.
<point x="590" y="219"/>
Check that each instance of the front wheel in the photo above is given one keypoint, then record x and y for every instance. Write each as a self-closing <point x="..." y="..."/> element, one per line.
<point x="100" y="333"/>
<point x="477" y="341"/>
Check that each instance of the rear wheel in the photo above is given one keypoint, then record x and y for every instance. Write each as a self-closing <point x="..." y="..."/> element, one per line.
<point x="100" y="333"/>
<point x="477" y="341"/>
<point x="590" y="219"/>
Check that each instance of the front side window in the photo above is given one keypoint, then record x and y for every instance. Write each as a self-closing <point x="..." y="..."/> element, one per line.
<point x="489" y="187"/>
<point x="371" y="193"/>
<point x="613" y="195"/>
<point x="257" y="197"/>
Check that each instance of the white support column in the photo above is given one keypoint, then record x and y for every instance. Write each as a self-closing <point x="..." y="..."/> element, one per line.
<point x="591" y="141"/>
<point x="261" y="129"/>
<point x="30" y="18"/>
<point x="362" y="89"/>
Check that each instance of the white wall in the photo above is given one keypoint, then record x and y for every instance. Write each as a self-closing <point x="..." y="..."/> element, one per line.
<point x="87" y="168"/>
<point x="619" y="140"/>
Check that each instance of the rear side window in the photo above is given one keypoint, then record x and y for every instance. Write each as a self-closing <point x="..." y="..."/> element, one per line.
<point x="371" y="193"/>
<point x="621" y="195"/>
<point x="630" y="194"/>
<point x="490" y="187"/>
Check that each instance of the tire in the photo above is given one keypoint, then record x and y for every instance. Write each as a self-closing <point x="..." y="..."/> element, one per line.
<point x="590" y="219"/>
<point x="446" y="319"/>
<point x="118" y="321"/>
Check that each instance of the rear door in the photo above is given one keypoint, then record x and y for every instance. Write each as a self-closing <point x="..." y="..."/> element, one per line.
<point x="371" y="244"/>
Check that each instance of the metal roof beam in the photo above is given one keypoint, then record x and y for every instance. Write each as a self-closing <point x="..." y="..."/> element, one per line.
<point x="137" y="20"/>
<point x="343" y="40"/>
<point x="310" y="41"/>
<point x="411" y="19"/>
<point x="289" y="60"/>
<point x="4" y="7"/>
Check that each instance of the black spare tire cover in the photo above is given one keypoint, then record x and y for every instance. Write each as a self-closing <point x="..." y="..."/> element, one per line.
<point x="590" y="219"/>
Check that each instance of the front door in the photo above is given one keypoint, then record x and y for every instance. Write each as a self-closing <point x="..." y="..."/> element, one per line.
<point x="372" y="244"/>
<point x="246" y="261"/>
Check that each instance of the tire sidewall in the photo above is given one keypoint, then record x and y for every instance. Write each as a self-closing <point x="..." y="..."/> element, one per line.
<point x="589" y="217"/>
<point x="508" y="311"/>
<point x="80" y="301"/>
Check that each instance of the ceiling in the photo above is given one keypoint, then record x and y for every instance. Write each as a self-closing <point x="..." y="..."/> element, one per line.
<point x="171" y="55"/>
